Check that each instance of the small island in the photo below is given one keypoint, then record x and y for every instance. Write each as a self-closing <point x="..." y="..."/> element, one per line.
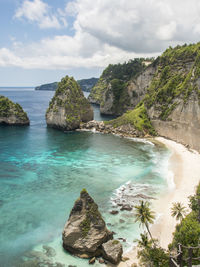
<point x="68" y="108"/>
<point x="12" y="113"/>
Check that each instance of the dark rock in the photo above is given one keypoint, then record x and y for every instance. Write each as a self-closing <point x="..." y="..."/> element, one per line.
<point x="126" y="207"/>
<point x="85" y="230"/>
<point x="121" y="221"/>
<point x="112" y="251"/>
<point x="114" y="212"/>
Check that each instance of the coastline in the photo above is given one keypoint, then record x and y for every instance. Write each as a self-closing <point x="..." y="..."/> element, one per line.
<point x="184" y="165"/>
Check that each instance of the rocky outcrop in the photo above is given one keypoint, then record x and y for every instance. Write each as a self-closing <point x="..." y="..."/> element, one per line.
<point x="87" y="84"/>
<point x="68" y="108"/>
<point x="11" y="113"/>
<point x="47" y="87"/>
<point x="85" y="230"/>
<point x="126" y="130"/>
<point x="173" y="97"/>
<point x="132" y="93"/>
<point x="112" y="251"/>
<point x="122" y="86"/>
<point x="182" y="125"/>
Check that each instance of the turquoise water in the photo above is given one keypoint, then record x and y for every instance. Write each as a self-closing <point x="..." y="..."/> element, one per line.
<point x="43" y="170"/>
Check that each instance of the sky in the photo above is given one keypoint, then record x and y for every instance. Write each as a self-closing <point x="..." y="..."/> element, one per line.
<point x="43" y="40"/>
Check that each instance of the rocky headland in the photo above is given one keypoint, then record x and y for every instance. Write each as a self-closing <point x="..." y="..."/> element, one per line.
<point x="68" y="108"/>
<point x="86" y="235"/>
<point x="159" y="98"/>
<point x="12" y="113"/>
<point x="47" y="87"/>
<point x="85" y="84"/>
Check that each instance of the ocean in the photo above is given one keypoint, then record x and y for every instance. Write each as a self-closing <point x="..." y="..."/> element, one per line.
<point x="43" y="170"/>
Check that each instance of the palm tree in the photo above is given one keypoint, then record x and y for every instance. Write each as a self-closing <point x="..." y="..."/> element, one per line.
<point x="144" y="241"/>
<point x="144" y="215"/>
<point x="178" y="211"/>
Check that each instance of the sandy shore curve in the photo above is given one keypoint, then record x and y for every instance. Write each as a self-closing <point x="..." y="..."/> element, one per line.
<point x="185" y="165"/>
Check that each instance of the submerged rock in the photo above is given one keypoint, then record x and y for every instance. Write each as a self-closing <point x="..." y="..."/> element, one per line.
<point x="68" y="108"/>
<point x="85" y="230"/>
<point x="11" y="113"/>
<point x="112" y="251"/>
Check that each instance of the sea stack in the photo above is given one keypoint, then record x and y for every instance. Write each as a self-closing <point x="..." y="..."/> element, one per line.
<point x="11" y="113"/>
<point x="85" y="230"/>
<point x="68" y="108"/>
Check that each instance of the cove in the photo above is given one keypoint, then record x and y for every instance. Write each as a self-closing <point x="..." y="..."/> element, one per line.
<point x="43" y="171"/>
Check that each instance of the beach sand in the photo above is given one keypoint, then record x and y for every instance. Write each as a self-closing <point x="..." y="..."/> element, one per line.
<point x="185" y="166"/>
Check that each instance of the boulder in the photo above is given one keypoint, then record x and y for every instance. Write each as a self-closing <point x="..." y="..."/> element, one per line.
<point x="85" y="230"/>
<point x="11" y="113"/>
<point x="68" y="108"/>
<point x="112" y="251"/>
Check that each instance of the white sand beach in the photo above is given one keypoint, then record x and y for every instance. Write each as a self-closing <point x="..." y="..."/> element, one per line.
<point x="185" y="165"/>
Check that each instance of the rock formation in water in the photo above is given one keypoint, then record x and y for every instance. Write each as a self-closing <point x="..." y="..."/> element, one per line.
<point x="85" y="84"/>
<point x="112" y="251"/>
<point x="47" y="87"/>
<point x="85" y="230"/>
<point x="11" y="113"/>
<point x="68" y="108"/>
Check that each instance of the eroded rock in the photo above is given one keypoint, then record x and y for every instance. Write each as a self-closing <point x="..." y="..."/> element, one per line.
<point x="68" y="108"/>
<point x="112" y="251"/>
<point x="85" y="230"/>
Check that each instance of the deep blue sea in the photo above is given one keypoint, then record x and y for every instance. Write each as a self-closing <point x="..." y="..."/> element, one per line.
<point x="42" y="171"/>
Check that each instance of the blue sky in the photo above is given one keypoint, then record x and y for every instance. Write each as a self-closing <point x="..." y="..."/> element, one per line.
<point x="43" y="40"/>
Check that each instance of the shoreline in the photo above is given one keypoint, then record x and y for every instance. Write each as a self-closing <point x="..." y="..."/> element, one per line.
<point x="184" y="164"/>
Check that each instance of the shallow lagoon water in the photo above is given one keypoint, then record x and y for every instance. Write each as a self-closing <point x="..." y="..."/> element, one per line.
<point x="43" y="170"/>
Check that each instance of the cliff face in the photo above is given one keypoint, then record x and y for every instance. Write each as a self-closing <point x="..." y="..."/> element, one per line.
<point x="168" y="92"/>
<point x="118" y="88"/>
<point x="183" y="124"/>
<point x="68" y="108"/>
<point x="11" y="113"/>
<point x="87" y="84"/>
<point x="173" y="98"/>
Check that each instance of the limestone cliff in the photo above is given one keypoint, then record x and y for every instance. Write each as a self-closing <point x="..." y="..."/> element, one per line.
<point x="85" y="230"/>
<point x="68" y="108"/>
<point x="170" y="104"/>
<point x="173" y="98"/>
<point x="121" y="87"/>
<point x="11" y="113"/>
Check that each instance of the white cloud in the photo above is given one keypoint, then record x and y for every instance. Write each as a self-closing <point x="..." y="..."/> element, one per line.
<point x="39" y="12"/>
<point x="106" y="31"/>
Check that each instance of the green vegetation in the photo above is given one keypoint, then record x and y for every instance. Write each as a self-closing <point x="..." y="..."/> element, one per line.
<point x="144" y="215"/>
<point x="178" y="211"/>
<point x="69" y="96"/>
<point x="124" y="71"/>
<point x="92" y="214"/>
<point x="154" y="256"/>
<point x="8" y="108"/>
<point x="138" y="118"/>
<point x="114" y="81"/>
<point x="177" y="72"/>
<point x="187" y="231"/>
<point x="115" y="242"/>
